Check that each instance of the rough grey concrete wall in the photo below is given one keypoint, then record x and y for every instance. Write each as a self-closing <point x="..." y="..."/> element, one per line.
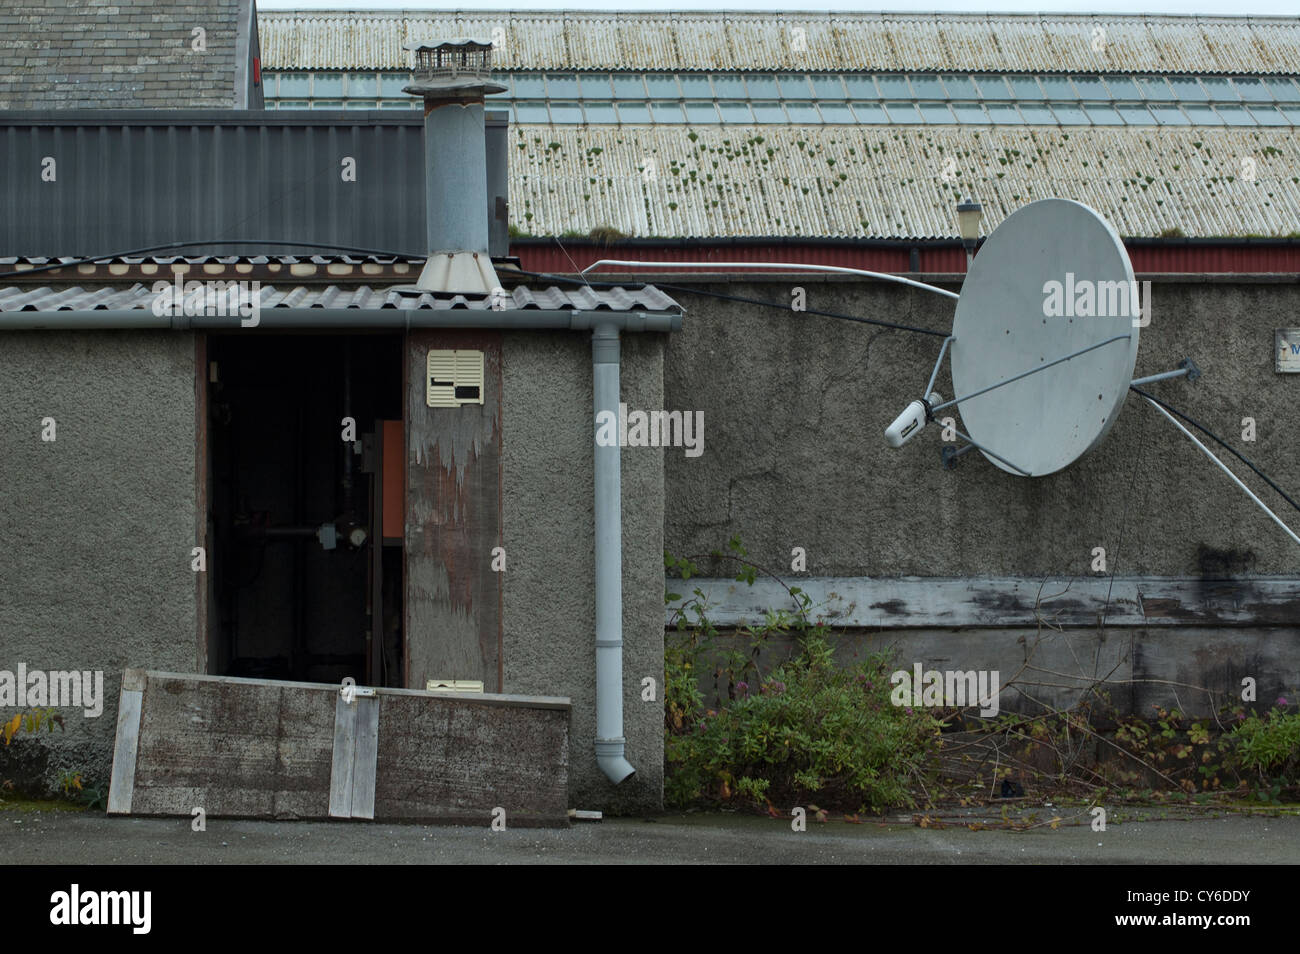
<point x="1196" y="669"/>
<point x="549" y="620"/>
<point x="795" y="408"/>
<point x="97" y="525"/>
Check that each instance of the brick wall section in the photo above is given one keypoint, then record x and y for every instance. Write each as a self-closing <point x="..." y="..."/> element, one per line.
<point x="116" y="54"/>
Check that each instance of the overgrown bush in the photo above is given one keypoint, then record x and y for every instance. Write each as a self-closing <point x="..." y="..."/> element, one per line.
<point x="806" y="728"/>
<point x="1270" y="748"/>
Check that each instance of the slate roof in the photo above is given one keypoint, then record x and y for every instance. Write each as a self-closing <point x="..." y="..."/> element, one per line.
<point x="105" y="54"/>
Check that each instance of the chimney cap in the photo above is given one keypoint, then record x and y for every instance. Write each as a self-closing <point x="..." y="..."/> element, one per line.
<point x="477" y="43"/>
<point x="457" y="69"/>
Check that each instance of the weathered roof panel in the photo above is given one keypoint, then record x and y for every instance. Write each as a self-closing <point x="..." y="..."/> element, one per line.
<point x="324" y="40"/>
<point x="896" y="182"/>
<point x="15" y="298"/>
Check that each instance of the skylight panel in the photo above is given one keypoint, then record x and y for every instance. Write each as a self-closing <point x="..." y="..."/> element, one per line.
<point x="662" y="86"/>
<point x="595" y="86"/>
<point x="696" y="86"/>
<point x="600" y="113"/>
<point x="1090" y="87"/>
<point x="1252" y="90"/>
<point x="1070" y="114"/>
<point x="1103" y="114"/>
<point x="1234" y="115"/>
<point x="836" y="112"/>
<point x="1155" y="88"/>
<point x="667" y="111"/>
<point x="794" y="86"/>
<point x="872" y="113"/>
<point x="1169" y="115"/>
<point x="992" y="87"/>
<point x="1058" y="87"/>
<point x="828" y="87"/>
<point x="566" y="112"/>
<point x="1122" y="87"/>
<point x="894" y="86"/>
<point x="1037" y="114"/>
<point x="701" y="113"/>
<point x="628" y="86"/>
<point x="1188" y="90"/>
<point x="561" y="86"/>
<point x="736" y="112"/>
<point x="927" y="86"/>
<point x="934" y="112"/>
<point x="860" y="86"/>
<point x="1135" y="115"/>
<point x="802" y="112"/>
<point x="633" y="113"/>
<point x="1026" y="87"/>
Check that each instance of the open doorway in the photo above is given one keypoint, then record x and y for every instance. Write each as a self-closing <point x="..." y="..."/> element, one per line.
<point x="305" y="553"/>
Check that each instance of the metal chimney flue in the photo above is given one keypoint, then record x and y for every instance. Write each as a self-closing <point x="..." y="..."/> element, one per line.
<point x="453" y="77"/>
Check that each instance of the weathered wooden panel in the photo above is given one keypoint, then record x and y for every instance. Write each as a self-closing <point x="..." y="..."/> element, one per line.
<point x="469" y="755"/>
<point x="352" y="775"/>
<point x="233" y="747"/>
<point x="121" y="786"/>
<point x="917" y="602"/>
<point x="453" y="520"/>
<point x="263" y="749"/>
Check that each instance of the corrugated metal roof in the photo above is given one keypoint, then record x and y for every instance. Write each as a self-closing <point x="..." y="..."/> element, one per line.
<point x="363" y="298"/>
<point x="12" y="261"/>
<point x="890" y="182"/>
<point x="764" y="41"/>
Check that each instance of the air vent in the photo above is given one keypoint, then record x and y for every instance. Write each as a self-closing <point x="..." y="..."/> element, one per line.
<point x="454" y="378"/>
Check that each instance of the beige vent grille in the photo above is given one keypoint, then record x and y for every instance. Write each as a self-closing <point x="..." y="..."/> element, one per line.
<point x="454" y="378"/>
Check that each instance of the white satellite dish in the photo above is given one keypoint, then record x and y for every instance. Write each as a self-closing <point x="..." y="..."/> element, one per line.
<point x="1052" y="282"/>
<point x="1044" y="342"/>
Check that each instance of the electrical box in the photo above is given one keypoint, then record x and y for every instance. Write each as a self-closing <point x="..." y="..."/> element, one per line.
<point x="453" y="685"/>
<point x="454" y="378"/>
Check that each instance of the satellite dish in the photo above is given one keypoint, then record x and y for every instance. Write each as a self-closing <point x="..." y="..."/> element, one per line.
<point x="1053" y="280"/>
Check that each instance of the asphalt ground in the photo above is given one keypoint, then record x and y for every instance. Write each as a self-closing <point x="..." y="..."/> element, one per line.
<point x="46" y="836"/>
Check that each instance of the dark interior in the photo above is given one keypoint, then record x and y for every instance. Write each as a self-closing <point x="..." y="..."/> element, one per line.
<point x="286" y="600"/>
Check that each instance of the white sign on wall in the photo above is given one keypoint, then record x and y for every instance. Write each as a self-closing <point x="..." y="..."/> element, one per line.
<point x="1286" y="349"/>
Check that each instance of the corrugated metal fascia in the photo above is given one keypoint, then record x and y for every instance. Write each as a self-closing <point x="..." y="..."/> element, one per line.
<point x="1171" y="258"/>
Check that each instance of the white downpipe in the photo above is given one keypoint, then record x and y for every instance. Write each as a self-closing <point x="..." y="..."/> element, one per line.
<point x="837" y="269"/>
<point x="610" y="743"/>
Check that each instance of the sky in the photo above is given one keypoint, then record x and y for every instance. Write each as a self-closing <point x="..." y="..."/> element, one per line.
<point x="1205" y="7"/>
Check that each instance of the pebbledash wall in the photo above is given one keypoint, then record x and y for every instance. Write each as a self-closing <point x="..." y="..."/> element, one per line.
<point x="795" y="407"/>
<point x="99" y="524"/>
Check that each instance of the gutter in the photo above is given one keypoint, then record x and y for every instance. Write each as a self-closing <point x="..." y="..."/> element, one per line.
<point x="527" y="319"/>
